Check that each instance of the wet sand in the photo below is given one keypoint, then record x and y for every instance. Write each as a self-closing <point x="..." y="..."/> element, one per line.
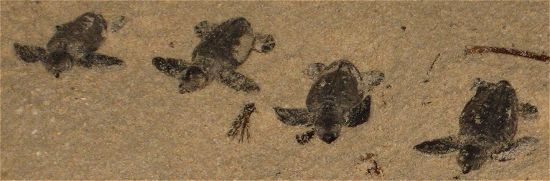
<point x="130" y="122"/>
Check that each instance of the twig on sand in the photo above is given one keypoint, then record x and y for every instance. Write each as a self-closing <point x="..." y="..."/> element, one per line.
<point x="508" y="51"/>
<point x="431" y="67"/>
<point x="433" y="63"/>
<point x="240" y="125"/>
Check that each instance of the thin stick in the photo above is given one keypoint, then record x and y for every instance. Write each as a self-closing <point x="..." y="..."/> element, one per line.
<point x="433" y="63"/>
<point x="240" y="125"/>
<point x="509" y="51"/>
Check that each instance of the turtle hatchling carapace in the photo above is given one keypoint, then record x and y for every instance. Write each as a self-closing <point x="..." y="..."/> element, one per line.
<point x="222" y="49"/>
<point x="74" y="43"/>
<point x="337" y="98"/>
<point x="488" y="125"/>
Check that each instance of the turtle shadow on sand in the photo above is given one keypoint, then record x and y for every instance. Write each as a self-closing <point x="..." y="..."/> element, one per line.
<point x="222" y="49"/>
<point x="74" y="43"/>
<point x="337" y="98"/>
<point x="488" y="125"/>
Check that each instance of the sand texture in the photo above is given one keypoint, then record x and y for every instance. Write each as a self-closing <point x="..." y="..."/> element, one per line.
<point x="130" y="122"/>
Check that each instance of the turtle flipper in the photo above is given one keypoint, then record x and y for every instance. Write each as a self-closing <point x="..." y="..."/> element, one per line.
<point x="360" y="113"/>
<point x="439" y="146"/>
<point x="314" y="70"/>
<point x="100" y="60"/>
<point x="170" y="66"/>
<point x="29" y="53"/>
<point x="263" y="43"/>
<point x="522" y="146"/>
<point x="372" y="79"/>
<point x="305" y="137"/>
<point x="528" y="111"/>
<point x="292" y="117"/>
<point x="203" y="28"/>
<point x="238" y="81"/>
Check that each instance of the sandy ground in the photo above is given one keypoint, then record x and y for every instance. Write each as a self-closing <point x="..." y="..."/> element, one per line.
<point x="130" y="122"/>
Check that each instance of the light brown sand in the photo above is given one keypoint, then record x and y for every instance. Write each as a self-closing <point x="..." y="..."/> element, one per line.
<point x="131" y="122"/>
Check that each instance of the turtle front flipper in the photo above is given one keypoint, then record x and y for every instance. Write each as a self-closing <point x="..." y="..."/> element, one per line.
<point x="170" y="66"/>
<point x="372" y="79"/>
<point x="359" y="114"/>
<point x="203" y="28"/>
<point x="98" y="59"/>
<point x="314" y="70"/>
<point x="523" y="146"/>
<point x="439" y="146"/>
<point x="29" y="53"/>
<point x="292" y="117"/>
<point x="305" y="137"/>
<point x="263" y="43"/>
<point x="238" y="81"/>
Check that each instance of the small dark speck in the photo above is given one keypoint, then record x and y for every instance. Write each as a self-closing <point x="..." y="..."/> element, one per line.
<point x="425" y="81"/>
<point x="456" y="177"/>
<point x="171" y="44"/>
<point x="278" y="173"/>
<point x="37" y="2"/>
<point x="388" y="86"/>
<point x="73" y="88"/>
<point x="426" y="103"/>
<point x="403" y="28"/>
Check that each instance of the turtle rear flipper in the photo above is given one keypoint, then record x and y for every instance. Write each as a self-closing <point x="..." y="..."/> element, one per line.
<point x="372" y="79"/>
<point x="359" y="114"/>
<point x="263" y="43"/>
<point x="292" y="117"/>
<point x="439" y="146"/>
<point x="29" y="53"/>
<point x="203" y="28"/>
<point x="522" y="146"/>
<point x="314" y="70"/>
<point x="170" y="66"/>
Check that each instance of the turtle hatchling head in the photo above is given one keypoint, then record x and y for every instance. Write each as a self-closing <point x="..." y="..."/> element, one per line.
<point x="192" y="79"/>
<point x="327" y="125"/>
<point x="57" y="62"/>
<point x="471" y="158"/>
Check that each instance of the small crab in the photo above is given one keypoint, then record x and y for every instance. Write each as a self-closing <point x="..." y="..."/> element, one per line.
<point x="488" y="125"/>
<point x="74" y="43"/>
<point x="336" y="98"/>
<point x="222" y="49"/>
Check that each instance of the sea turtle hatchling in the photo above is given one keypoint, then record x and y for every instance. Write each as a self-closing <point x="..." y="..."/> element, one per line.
<point x="74" y="43"/>
<point x="221" y="50"/>
<point x="337" y="97"/>
<point x="488" y="125"/>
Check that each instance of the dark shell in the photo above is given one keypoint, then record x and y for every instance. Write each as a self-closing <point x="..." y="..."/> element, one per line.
<point x="230" y="42"/>
<point x="84" y="33"/>
<point x="491" y="115"/>
<point x="338" y="84"/>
